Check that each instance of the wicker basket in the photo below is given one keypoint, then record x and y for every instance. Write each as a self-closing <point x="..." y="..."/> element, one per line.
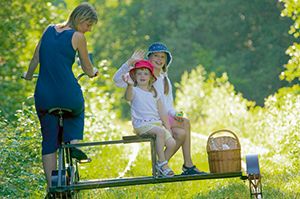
<point x="224" y="152"/>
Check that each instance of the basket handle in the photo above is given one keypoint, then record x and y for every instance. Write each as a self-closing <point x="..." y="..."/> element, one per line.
<point x="222" y="130"/>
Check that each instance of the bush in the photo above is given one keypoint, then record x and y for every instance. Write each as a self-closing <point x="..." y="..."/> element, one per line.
<point x="211" y="102"/>
<point x="20" y="164"/>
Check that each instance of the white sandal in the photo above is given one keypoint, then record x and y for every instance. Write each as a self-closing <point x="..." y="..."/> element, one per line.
<point x="167" y="172"/>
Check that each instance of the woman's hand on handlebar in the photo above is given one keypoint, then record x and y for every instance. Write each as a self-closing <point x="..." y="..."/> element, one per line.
<point x="28" y="77"/>
<point x="95" y="70"/>
<point x="95" y="73"/>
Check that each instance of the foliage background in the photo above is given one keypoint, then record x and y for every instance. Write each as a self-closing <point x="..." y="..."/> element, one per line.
<point x="247" y="40"/>
<point x="228" y="57"/>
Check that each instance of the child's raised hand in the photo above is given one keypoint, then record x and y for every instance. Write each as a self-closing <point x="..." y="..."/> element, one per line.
<point x="137" y="55"/>
<point x="126" y="78"/>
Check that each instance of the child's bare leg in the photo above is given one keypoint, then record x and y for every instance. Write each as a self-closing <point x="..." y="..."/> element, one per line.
<point x="170" y="148"/>
<point x="186" y="147"/>
<point x="179" y="135"/>
<point x="182" y="135"/>
<point x="160" y="142"/>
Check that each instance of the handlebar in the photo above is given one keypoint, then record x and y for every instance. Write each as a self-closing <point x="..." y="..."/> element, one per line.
<point x="34" y="76"/>
<point x="78" y="77"/>
<point x="81" y="75"/>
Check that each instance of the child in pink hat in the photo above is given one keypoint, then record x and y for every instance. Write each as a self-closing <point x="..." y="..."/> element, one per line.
<point x="147" y="112"/>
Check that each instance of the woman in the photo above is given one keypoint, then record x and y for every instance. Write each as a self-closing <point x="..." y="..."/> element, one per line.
<point x="57" y="86"/>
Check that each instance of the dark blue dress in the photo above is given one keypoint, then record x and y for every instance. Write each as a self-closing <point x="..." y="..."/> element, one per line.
<point x="57" y="87"/>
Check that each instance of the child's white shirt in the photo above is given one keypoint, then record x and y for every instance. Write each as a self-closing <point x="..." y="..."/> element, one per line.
<point x="144" y="108"/>
<point x="167" y="100"/>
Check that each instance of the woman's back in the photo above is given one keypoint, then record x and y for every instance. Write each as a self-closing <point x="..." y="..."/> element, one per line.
<point x="56" y="85"/>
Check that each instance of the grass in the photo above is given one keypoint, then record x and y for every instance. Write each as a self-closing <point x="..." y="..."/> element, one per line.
<point x="233" y="188"/>
<point x="111" y="161"/>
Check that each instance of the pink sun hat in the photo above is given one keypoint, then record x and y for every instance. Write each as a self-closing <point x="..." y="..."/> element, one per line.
<point x="142" y="64"/>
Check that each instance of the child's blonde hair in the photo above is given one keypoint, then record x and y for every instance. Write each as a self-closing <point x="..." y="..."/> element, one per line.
<point x="83" y="12"/>
<point x="166" y="82"/>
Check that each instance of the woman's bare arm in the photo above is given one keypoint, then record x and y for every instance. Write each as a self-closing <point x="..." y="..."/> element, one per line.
<point x="33" y="63"/>
<point x="80" y="44"/>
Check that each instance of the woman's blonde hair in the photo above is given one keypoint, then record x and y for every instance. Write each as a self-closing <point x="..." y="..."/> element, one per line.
<point x="83" y="12"/>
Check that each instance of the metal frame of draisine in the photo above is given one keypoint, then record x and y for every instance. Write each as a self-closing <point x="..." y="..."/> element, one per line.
<point x="252" y="172"/>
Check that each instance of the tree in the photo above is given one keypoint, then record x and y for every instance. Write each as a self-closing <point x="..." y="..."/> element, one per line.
<point x="292" y="68"/>
<point x="245" y="39"/>
<point x="22" y="25"/>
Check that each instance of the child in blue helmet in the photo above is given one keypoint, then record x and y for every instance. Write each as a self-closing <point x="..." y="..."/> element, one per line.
<point x="159" y="55"/>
